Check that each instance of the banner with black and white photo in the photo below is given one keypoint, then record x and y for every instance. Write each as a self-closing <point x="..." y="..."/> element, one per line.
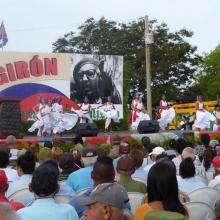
<point x="97" y="77"/>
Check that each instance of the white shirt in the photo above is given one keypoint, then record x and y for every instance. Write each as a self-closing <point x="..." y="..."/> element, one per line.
<point x="11" y="174"/>
<point x="187" y="185"/>
<point x="215" y="181"/>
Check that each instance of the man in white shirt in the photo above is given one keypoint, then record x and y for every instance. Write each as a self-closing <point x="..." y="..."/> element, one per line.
<point x="216" y="165"/>
<point x="4" y="162"/>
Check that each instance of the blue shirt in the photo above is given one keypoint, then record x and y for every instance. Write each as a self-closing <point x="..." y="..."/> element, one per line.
<point x="47" y="209"/>
<point x="187" y="185"/>
<point x="80" y="208"/>
<point x="80" y="179"/>
<point x="141" y="174"/>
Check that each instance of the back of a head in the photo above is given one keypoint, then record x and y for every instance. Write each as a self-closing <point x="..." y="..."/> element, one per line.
<point x="172" y="144"/>
<point x="89" y="156"/>
<point x="4" y="159"/>
<point x="66" y="161"/>
<point x="180" y="145"/>
<point x="48" y="144"/>
<point x="151" y="147"/>
<point x="10" y="140"/>
<point x="188" y="152"/>
<point x="103" y="169"/>
<point x="164" y="215"/>
<point x="138" y="157"/>
<point x="205" y="139"/>
<point x="125" y="165"/>
<point x="187" y="168"/>
<point x="162" y="186"/>
<point x="44" y="181"/>
<point x="7" y="213"/>
<point x="52" y="165"/>
<point x="207" y="158"/>
<point x="26" y="162"/>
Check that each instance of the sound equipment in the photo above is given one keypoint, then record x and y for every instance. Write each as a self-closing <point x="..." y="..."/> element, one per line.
<point x="86" y="130"/>
<point x="10" y="116"/>
<point x="148" y="126"/>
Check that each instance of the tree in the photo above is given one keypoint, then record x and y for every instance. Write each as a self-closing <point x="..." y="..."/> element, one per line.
<point x="208" y="79"/>
<point x="173" y="60"/>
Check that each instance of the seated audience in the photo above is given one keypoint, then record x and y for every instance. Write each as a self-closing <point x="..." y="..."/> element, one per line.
<point x="34" y="148"/>
<point x="81" y="178"/>
<point x="154" y="154"/>
<point x="216" y="165"/>
<point x="45" y="153"/>
<point x="162" y="190"/>
<point x="138" y="158"/>
<point x="7" y="213"/>
<point x="187" y="181"/>
<point x="56" y="153"/>
<point x="68" y="165"/>
<point x="103" y="172"/>
<point x="124" y="149"/>
<point x="25" y="169"/>
<point x="11" y="144"/>
<point x="3" y="188"/>
<point x="180" y="146"/>
<point x="45" y="185"/>
<point x="126" y="168"/>
<point x="4" y="162"/>
<point x="171" y="152"/>
<point x="148" y="159"/>
<point x="106" y="202"/>
<point x="114" y="152"/>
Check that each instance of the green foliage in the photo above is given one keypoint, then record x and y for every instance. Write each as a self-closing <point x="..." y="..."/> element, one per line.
<point x="135" y="144"/>
<point x="173" y="60"/>
<point x="66" y="146"/>
<point x="208" y="79"/>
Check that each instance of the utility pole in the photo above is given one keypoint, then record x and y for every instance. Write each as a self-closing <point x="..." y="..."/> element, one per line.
<point x="148" y="41"/>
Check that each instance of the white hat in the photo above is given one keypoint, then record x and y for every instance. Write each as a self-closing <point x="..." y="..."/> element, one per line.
<point x="157" y="151"/>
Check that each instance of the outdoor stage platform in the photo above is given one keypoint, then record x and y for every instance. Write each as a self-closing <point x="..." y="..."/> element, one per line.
<point x="125" y="135"/>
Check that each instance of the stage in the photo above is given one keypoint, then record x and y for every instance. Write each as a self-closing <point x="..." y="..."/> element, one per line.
<point x="102" y="137"/>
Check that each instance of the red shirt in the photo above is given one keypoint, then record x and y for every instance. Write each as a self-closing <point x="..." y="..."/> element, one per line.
<point x="14" y="205"/>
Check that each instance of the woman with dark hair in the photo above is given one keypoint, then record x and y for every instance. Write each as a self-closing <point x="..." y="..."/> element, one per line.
<point x="162" y="189"/>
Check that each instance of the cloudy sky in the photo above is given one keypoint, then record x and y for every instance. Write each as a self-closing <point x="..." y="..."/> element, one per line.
<point x="35" y="25"/>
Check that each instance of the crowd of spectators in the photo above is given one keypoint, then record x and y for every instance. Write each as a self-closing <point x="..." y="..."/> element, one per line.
<point x="96" y="183"/>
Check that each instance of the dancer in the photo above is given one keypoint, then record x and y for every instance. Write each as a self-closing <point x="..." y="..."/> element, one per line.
<point x="110" y="113"/>
<point x="216" y="114"/>
<point x="203" y="117"/>
<point x="163" y="107"/>
<point x="84" y="112"/>
<point x="139" y="115"/>
<point x="167" y="117"/>
<point x="134" y="108"/>
<point x="62" y="121"/>
<point x="38" y="122"/>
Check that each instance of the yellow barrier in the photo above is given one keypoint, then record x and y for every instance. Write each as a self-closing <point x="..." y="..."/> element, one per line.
<point x="188" y="109"/>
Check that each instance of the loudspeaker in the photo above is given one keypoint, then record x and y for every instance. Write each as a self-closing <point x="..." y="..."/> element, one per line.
<point x="148" y="126"/>
<point x="87" y="129"/>
<point x="10" y="116"/>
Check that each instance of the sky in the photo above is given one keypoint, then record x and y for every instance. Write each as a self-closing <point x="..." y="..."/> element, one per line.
<point x="32" y="26"/>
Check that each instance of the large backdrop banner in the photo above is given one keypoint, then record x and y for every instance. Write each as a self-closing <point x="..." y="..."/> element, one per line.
<point x="30" y="76"/>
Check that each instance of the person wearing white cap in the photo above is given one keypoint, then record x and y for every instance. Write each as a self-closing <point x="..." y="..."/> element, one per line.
<point x="154" y="154"/>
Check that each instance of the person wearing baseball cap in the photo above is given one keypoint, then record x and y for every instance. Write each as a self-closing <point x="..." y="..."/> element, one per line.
<point x="3" y="188"/>
<point x="216" y="165"/>
<point x="106" y="202"/>
<point x="157" y="151"/>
